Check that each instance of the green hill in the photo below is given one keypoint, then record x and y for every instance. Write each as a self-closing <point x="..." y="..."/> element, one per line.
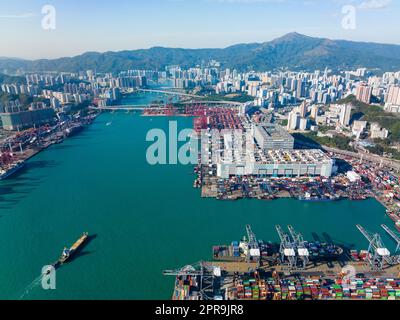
<point x="293" y="51"/>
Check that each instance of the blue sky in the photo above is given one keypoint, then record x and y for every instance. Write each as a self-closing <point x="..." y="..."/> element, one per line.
<point x="99" y="25"/>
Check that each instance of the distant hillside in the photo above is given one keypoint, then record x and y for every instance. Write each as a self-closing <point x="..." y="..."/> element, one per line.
<point x="293" y="51"/>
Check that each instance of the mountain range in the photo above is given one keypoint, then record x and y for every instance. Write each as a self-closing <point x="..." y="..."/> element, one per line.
<point x="293" y="51"/>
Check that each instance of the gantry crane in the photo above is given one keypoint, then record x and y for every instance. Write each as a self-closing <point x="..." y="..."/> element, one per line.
<point x="206" y="276"/>
<point x="286" y="249"/>
<point x="300" y="246"/>
<point x="254" y="248"/>
<point x="378" y="254"/>
<point x="395" y="236"/>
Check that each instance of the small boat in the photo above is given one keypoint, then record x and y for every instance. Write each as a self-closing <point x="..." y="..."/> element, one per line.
<point x="48" y="270"/>
<point x="108" y="124"/>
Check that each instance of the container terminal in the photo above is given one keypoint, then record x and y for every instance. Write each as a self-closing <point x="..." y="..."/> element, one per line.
<point x="294" y="269"/>
<point x="17" y="149"/>
<point x="311" y="175"/>
<point x="276" y="167"/>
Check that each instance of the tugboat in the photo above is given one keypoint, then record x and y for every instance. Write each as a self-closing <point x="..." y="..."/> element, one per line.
<point x="49" y="270"/>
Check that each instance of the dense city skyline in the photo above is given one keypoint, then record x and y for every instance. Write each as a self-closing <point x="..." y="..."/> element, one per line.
<point x="213" y="24"/>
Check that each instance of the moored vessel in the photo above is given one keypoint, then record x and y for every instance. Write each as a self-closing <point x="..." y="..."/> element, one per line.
<point x="10" y="170"/>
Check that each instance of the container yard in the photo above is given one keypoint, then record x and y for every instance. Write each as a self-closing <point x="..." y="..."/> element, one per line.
<point x="293" y="269"/>
<point x="187" y="288"/>
<point x="258" y="286"/>
<point x="349" y="178"/>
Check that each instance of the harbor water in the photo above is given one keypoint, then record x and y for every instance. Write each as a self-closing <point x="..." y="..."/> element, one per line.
<point x="144" y="218"/>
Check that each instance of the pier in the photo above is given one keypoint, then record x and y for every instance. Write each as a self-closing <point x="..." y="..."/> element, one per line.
<point x="272" y="277"/>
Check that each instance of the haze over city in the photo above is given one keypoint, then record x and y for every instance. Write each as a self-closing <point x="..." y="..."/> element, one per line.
<point x="83" y="26"/>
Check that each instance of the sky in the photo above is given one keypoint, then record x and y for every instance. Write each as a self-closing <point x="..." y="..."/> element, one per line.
<point x="79" y="26"/>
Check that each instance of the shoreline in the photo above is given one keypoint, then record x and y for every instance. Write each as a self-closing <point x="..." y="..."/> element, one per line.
<point x="57" y="137"/>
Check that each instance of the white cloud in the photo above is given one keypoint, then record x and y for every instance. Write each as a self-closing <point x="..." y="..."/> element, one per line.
<point x="374" y="4"/>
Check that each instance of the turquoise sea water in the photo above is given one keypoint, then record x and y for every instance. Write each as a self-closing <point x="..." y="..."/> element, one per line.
<point x="146" y="218"/>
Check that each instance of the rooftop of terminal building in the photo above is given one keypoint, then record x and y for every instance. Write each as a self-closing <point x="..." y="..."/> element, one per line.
<point x="280" y="156"/>
<point x="273" y="131"/>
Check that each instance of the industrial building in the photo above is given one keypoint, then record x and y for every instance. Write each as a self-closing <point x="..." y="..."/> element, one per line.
<point x="272" y="137"/>
<point x="17" y="118"/>
<point x="278" y="163"/>
<point x="272" y="154"/>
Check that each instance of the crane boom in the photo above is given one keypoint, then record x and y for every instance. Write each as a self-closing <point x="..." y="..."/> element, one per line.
<point x="368" y="236"/>
<point x="254" y="248"/>
<point x="297" y="237"/>
<point x="377" y="252"/>
<point x="283" y="236"/>
<point x="394" y="236"/>
<point x="286" y="249"/>
<point x="252" y="237"/>
<point x="299" y="244"/>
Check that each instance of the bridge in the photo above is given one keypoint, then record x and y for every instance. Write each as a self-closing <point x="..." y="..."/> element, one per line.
<point x="170" y="92"/>
<point x="182" y="94"/>
<point x="130" y="108"/>
<point x="382" y="162"/>
<point x="227" y="104"/>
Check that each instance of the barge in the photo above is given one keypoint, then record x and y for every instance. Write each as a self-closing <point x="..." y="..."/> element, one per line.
<point x="68" y="253"/>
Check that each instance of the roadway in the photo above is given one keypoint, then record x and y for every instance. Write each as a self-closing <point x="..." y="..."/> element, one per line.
<point x="162" y="106"/>
<point x="168" y="92"/>
<point x="182" y="94"/>
<point x="393" y="164"/>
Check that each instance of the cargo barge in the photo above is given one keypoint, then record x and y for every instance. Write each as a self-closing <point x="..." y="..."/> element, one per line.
<point x="67" y="254"/>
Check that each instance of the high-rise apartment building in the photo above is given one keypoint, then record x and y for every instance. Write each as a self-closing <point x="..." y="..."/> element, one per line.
<point x="364" y="94"/>
<point x="345" y="115"/>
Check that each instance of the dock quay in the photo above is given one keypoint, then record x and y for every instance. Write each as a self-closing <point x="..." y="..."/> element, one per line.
<point x="24" y="145"/>
<point x="294" y="269"/>
<point x="364" y="181"/>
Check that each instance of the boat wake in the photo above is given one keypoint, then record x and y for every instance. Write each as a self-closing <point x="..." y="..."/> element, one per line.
<point x="35" y="283"/>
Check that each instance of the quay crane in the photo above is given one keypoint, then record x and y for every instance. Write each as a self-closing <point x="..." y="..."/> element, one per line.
<point x="378" y="254"/>
<point x="393" y="235"/>
<point x="254" y="249"/>
<point x="299" y="244"/>
<point x="286" y="249"/>
<point x="206" y="274"/>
